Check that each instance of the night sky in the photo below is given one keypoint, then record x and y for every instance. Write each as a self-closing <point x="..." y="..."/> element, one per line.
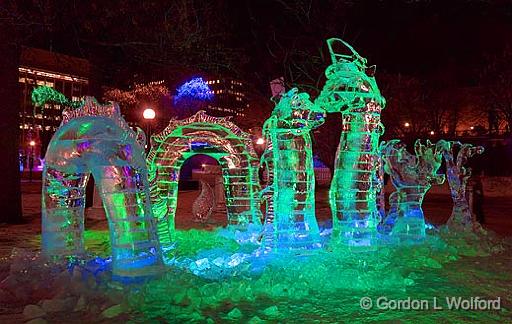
<point x="426" y="39"/>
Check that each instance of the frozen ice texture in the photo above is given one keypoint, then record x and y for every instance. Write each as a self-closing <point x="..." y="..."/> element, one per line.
<point x="214" y="136"/>
<point x="95" y="140"/>
<point x="290" y="193"/>
<point x="352" y="90"/>
<point x="203" y="205"/>
<point x="412" y="176"/>
<point x="456" y="156"/>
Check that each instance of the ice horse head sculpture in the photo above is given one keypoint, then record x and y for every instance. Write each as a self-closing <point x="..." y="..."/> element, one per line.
<point x="352" y="90"/>
<point x="95" y="139"/>
<point x="290" y="193"/>
<point x="412" y="176"/>
<point x="456" y="155"/>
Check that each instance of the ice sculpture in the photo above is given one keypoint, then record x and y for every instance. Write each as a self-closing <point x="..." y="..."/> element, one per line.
<point x="458" y="176"/>
<point x="218" y="138"/>
<point x="290" y="195"/>
<point x="95" y="139"/>
<point x="202" y="207"/>
<point x="412" y="176"/>
<point x="352" y="90"/>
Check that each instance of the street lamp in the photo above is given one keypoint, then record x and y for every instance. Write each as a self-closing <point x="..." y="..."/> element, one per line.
<point x="31" y="159"/>
<point x="148" y="114"/>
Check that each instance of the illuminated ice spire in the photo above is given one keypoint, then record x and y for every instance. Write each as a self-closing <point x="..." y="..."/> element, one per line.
<point x="352" y="90"/>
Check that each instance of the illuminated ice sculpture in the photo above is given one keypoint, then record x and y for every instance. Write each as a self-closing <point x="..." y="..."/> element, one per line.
<point x="412" y="176"/>
<point x="456" y="156"/>
<point x="202" y="207"/>
<point x="352" y="90"/>
<point x="213" y="136"/>
<point x="95" y="139"/>
<point x="290" y="194"/>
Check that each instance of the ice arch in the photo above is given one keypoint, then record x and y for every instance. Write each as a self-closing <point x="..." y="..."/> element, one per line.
<point x="95" y="139"/>
<point x="213" y="136"/>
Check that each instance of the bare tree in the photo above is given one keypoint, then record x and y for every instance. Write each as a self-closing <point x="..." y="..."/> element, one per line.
<point x="497" y="77"/>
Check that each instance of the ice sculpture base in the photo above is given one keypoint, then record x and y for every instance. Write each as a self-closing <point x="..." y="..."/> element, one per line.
<point x="409" y="228"/>
<point x="356" y="233"/>
<point x="290" y="239"/>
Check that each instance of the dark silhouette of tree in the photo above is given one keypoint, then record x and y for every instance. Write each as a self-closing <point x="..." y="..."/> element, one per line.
<point x="497" y="79"/>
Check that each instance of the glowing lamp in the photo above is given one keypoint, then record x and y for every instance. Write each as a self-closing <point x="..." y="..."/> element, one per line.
<point x="407" y="124"/>
<point x="149" y="113"/>
<point x="432" y="133"/>
<point x="260" y="141"/>
<point x="32" y="143"/>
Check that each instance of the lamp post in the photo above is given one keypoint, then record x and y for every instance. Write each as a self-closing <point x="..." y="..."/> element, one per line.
<point x="148" y="114"/>
<point x="31" y="159"/>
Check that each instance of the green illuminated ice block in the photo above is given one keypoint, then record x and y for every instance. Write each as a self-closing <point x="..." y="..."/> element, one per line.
<point x="290" y="194"/>
<point x="352" y="90"/>
<point x="219" y="138"/>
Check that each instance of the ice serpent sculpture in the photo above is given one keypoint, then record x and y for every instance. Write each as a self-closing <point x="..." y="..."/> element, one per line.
<point x="458" y="176"/>
<point x="290" y="194"/>
<point x="352" y="90"/>
<point x="95" y="139"/>
<point x="412" y="176"/>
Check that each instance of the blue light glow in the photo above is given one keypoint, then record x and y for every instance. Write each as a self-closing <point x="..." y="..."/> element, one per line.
<point x="195" y="89"/>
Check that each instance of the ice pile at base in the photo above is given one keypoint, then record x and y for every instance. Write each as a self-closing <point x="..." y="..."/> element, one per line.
<point x="323" y="284"/>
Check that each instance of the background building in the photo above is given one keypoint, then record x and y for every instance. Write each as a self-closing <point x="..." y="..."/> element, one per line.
<point x="66" y="74"/>
<point x="230" y="97"/>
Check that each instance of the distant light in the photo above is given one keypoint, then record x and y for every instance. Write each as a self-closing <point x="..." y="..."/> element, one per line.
<point x="203" y="165"/>
<point x="260" y="141"/>
<point x="407" y="124"/>
<point x="32" y="143"/>
<point x="432" y="133"/>
<point x="472" y="127"/>
<point x="149" y="113"/>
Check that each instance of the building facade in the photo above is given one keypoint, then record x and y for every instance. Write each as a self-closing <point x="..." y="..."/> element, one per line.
<point x="230" y="97"/>
<point x="66" y="74"/>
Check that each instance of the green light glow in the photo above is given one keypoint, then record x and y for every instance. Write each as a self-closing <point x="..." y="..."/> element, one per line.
<point x="352" y="90"/>
<point x="43" y="94"/>
<point x="233" y="150"/>
<point x="290" y="194"/>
